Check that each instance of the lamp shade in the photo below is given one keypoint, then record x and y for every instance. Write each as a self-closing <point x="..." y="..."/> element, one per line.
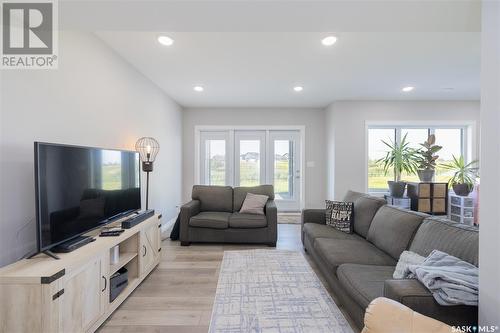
<point x="147" y="148"/>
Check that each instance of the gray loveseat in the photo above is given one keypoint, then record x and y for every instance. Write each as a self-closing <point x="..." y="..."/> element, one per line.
<point x="213" y="216"/>
<point x="359" y="266"/>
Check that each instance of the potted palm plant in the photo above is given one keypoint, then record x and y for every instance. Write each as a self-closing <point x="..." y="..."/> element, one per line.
<point x="400" y="158"/>
<point x="427" y="159"/>
<point x="464" y="177"/>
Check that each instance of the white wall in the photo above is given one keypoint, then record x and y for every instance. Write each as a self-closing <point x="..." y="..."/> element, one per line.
<point x="95" y="98"/>
<point x="312" y="119"/>
<point x="489" y="212"/>
<point x="345" y="124"/>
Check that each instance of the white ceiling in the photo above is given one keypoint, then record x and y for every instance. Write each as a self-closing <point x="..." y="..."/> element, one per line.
<point x="382" y="46"/>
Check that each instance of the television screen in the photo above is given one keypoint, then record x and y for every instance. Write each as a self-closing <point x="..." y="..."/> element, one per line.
<point x="82" y="188"/>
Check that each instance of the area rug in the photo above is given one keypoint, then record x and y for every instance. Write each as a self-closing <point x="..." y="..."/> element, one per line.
<point x="272" y="291"/>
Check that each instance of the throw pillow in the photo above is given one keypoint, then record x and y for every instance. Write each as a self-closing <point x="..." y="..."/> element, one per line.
<point x="406" y="259"/>
<point x="254" y="204"/>
<point x="340" y="215"/>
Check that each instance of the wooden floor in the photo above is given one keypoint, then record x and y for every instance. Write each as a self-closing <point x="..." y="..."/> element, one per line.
<point x="178" y="295"/>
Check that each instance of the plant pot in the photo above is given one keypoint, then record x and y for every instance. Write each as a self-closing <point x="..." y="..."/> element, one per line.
<point x="396" y="189"/>
<point x="426" y="175"/>
<point x="462" y="190"/>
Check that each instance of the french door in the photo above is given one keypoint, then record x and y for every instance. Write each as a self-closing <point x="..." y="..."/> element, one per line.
<point x="285" y="168"/>
<point x="251" y="158"/>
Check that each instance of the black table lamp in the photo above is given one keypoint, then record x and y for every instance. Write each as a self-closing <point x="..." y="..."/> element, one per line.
<point x="147" y="148"/>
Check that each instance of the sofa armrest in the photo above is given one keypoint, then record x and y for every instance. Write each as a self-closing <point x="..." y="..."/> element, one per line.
<point x="387" y="316"/>
<point x="313" y="216"/>
<point x="272" y="221"/>
<point x="416" y="296"/>
<point x="188" y="210"/>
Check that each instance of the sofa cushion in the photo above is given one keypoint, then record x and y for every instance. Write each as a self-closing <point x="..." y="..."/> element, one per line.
<point x="314" y="231"/>
<point x="336" y="252"/>
<point x="364" y="283"/>
<point x="214" y="198"/>
<point x="365" y="208"/>
<point x="212" y="220"/>
<point x="459" y="240"/>
<point x="240" y="194"/>
<point x="393" y="229"/>
<point x="242" y="220"/>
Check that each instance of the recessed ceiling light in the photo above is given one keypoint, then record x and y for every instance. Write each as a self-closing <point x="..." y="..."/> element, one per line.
<point x="198" y="88"/>
<point x="407" y="89"/>
<point x="165" y="40"/>
<point x="298" y="88"/>
<point x="329" y="41"/>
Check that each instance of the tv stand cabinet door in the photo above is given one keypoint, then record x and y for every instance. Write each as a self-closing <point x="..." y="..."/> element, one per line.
<point x="81" y="304"/>
<point x="150" y="244"/>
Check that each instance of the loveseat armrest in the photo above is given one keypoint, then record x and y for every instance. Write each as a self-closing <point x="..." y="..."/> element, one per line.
<point x="272" y="222"/>
<point x="188" y="210"/>
<point x="384" y="315"/>
<point x="416" y="296"/>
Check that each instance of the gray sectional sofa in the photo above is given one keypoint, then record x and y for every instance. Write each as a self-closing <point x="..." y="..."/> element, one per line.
<point x="213" y="216"/>
<point x="359" y="266"/>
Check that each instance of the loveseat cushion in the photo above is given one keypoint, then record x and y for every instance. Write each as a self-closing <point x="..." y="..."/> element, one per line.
<point x="242" y="220"/>
<point x="240" y="194"/>
<point x="314" y="231"/>
<point x="365" y="208"/>
<point x="336" y="252"/>
<point x="459" y="240"/>
<point x="212" y="220"/>
<point x="214" y="198"/>
<point x="393" y="229"/>
<point x="364" y="283"/>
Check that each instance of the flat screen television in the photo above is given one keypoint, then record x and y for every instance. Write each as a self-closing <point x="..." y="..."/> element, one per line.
<point x="81" y="188"/>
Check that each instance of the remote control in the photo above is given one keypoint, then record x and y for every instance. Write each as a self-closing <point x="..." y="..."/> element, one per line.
<point x="109" y="234"/>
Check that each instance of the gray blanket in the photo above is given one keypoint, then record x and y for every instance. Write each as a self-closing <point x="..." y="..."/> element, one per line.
<point x="452" y="281"/>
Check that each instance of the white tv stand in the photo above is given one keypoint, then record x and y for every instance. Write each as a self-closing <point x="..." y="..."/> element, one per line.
<point x="72" y="294"/>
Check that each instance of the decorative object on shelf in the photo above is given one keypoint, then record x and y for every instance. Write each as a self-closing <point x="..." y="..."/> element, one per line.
<point x="427" y="159"/>
<point x="401" y="158"/>
<point x="462" y="209"/>
<point x="465" y="175"/>
<point x="147" y="148"/>
<point x="403" y="202"/>
<point x="430" y="198"/>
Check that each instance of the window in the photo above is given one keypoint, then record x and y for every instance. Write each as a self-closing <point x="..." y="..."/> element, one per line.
<point x="452" y="138"/>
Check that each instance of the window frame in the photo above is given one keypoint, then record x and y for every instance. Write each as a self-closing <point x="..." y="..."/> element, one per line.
<point x="468" y="139"/>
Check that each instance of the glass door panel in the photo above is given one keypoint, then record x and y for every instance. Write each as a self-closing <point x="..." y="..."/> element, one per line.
<point x="214" y="159"/>
<point x="249" y="162"/>
<point x="285" y="168"/>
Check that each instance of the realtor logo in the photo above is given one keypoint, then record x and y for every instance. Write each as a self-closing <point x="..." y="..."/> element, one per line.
<point x="29" y="39"/>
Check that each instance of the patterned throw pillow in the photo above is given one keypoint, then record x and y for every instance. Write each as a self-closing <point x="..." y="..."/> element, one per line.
<point x="340" y="215"/>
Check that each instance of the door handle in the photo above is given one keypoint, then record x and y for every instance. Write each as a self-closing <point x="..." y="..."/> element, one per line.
<point x="105" y="283"/>
<point x="145" y="250"/>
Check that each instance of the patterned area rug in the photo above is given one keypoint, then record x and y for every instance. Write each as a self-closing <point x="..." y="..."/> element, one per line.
<point x="272" y="291"/>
